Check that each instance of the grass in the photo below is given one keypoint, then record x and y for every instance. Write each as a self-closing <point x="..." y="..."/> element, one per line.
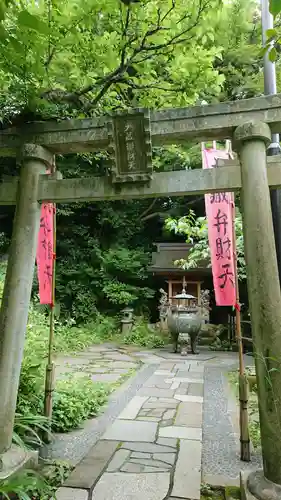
<point x="209" y="492"/>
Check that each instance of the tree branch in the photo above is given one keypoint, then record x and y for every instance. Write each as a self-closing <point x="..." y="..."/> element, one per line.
<point x="152" y="86"/>
<point x="145" y="50"/>
<point x="149" y="208"/>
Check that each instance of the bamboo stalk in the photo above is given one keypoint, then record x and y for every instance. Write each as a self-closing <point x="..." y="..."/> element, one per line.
<point x="245" y="453"/>
<point x="50" y="368"/>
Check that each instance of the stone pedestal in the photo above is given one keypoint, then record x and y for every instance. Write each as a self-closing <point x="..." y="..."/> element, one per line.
<point x="18" y="284"/>
<point x="254" y="486"/>
<point x="15" y="460"/>
<point x="127" y="326"/>
<point x="264" y="290"/>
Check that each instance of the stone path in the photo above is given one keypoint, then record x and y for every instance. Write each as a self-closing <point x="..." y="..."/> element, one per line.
<point x="107" y="364"/>
<point x="103" y="363"/>
<point x="152" y="447"/>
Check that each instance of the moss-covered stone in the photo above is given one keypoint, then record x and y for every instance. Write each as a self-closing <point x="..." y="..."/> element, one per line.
<point x="215" y="493"/>
<point x="232" y="493"/>
<point x="211" y="493"/>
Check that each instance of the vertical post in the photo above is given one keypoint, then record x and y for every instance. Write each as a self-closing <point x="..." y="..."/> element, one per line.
<point x="245" y="453"/>
<point x="18" y="284"/>
<point x="170" y="292"/>
<point x="270" y="87"/>
<point x="264" y="295"/>
<point x="50" y="368"/>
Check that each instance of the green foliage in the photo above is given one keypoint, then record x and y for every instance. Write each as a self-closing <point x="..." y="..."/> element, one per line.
<point x="103" y="253"/>
<point x="143" y="336"/>
<point x="275" y="7"/>
<point x="30" y="485"/>
<point x="73" y="400"/>
<point x="196" y="232"/>
<point x="238" y="30"/>
<point x="22" y="485"/>
<point x="80" y="56"/>
<point x="28" y="430"/>
<point x="76" y="400"/>
<point x="54" y="473"/>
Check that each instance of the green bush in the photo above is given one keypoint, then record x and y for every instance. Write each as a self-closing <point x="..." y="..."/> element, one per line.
<point x="67" y="338"/>
<point x="22" y="485"/>
<point x="143" y="336"/>
<point x="76" y="400"/>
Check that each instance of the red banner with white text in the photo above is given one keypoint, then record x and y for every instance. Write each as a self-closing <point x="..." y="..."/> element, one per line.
<point x="219" y="212"/>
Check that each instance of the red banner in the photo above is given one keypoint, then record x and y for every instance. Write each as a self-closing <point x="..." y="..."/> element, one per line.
<point x="219" y="212"/>
<point x="45" y="253"/>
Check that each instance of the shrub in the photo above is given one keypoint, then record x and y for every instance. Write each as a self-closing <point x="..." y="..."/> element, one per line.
<point x="76" y="400"/>
<point x="21" y="485"/>
<point x="143" y="336"/>
<point x="67" y="338"/>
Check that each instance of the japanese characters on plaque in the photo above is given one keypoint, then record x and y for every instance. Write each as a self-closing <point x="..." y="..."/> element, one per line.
<point x="45" y="253"/>
<point x="219" y="212"/>
<point x="130" y="146"/>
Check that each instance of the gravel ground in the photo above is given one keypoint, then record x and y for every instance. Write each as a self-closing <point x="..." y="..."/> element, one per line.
<point x="220" y="455"/>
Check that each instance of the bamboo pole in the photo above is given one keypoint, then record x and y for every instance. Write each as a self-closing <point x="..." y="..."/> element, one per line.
<point x="50" y="368"/>
<point x="245" y="453"/>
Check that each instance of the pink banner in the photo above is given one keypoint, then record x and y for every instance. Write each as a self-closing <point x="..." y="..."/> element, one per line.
<point x="45" y="253"/>
<point x="219" y="212"/>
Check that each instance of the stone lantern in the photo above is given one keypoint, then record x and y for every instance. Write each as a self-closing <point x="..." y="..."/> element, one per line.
<point x="127" y="319"/>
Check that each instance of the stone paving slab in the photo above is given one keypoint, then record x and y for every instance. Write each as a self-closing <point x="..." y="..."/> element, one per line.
<point x="163" y="373"/>
<point x="184" y="380"/>
<point x="189" y="414"/>
<point x="160" y="403"/>
<point x="122" y="430"/>
<point x="89" y="469"/>
<point x="196" y="389"/>
<point x="154" y="392"/>
<point x="167" y="442"/>
<point x="132" y="409"/>
<point x="118" y="460"/>
<point x="150" y="447"/>
<point x="187" y="478"/>
<point x="192" y="375"/>
<point x="118" y="486"/>
<point x="71" y="494"/>
<point x="189" y="399"/>
<point x="174" y="431"/>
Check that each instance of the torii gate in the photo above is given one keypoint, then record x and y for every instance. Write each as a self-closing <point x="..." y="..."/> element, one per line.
<point x="249" y="123"/>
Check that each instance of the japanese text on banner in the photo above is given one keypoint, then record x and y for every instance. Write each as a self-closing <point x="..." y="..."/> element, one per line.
<point x="219" y="212"/>
<point x="45" y="253"/>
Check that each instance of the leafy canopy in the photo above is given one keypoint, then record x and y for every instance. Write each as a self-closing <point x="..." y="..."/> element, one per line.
<point x="196" y="232"/>
<point x="84" y="56"/>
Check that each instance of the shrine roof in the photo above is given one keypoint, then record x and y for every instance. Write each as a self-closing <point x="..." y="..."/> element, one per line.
<point x="167" y="253"/>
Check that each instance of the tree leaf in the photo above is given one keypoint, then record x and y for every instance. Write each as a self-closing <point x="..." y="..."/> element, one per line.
<point x="3" y="33"/>
<point x="271" y="33"/>
<point x="32" y="22"/>
<point x="272" y="55"/>
<point x="275" y="7"/>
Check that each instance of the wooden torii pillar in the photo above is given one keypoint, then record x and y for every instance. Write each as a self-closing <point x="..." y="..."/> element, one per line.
<point x="128" y="137"/>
